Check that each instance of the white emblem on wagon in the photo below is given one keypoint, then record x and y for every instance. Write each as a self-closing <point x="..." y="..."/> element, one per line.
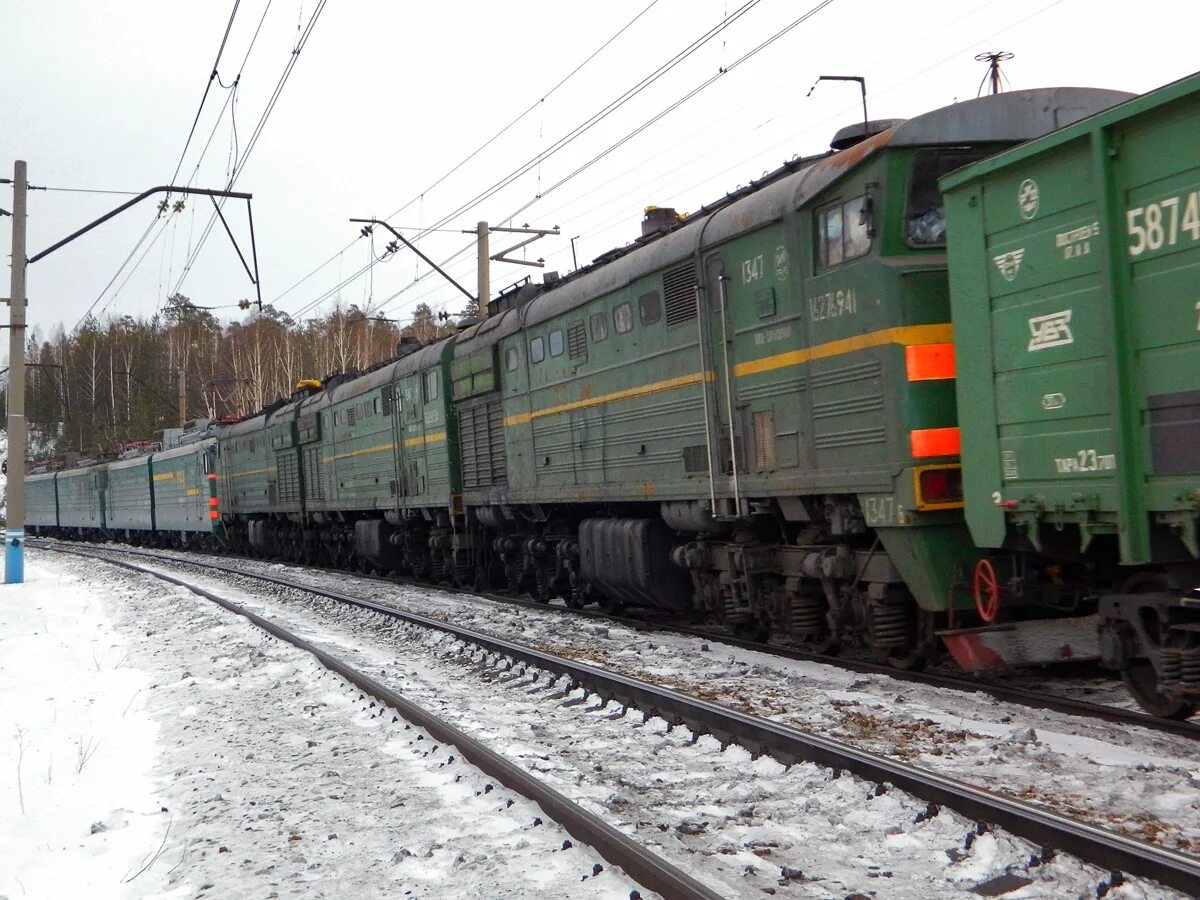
<point x="1028" y="198"/>
<point x="1051" y="330"/>
<point x="781" y="263"/>
<point x="1054" y="401"/>
<point x="1009" y="263"/>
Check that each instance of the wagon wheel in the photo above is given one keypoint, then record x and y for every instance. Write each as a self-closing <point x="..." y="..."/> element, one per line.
<point x="1141" y="680"/>
<point x="987" y="591"/>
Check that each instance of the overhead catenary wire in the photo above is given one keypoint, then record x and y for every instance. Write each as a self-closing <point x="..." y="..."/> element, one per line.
<point x="183" y="155"/>
<point x="478" y="150"/>
<point x="596" y="118"/>
<point x="655" y="118"/>
<point x="207" y="88"/>
<point x="564" y="141"/>
<point x="302" y="40"/>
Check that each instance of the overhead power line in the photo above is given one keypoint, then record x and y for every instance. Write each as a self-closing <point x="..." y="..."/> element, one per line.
<point x="565" y="141"/>
<point x="301" y="41"/>
<point x="207" y="88"/>
<point x="648" y="123"/>
<point x="158" y="217"/>
<point x="474" y="153"/>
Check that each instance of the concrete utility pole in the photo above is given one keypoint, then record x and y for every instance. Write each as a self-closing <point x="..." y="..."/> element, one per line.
<point x="485" y="274"/>
<point x="14" y="536"/>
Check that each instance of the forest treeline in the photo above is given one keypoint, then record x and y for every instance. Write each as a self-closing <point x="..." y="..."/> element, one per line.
<point x="115" y="381"/>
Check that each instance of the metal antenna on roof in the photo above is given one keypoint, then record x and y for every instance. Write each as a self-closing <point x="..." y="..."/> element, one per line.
<point x="993" y="75"/>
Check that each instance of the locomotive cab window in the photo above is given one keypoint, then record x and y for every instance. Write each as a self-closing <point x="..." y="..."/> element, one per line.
<point x="623" y="318"/>
<point x="431" y="386"/>
<point x="510" y="359"/>
<point x="537" y="349"/>
<point x="556" y="342"/>
<point x="924" y="217"/>
<point x="844" y="231"/>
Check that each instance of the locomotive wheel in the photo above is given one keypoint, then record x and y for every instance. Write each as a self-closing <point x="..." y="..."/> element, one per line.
<point x="1142" y="681"/>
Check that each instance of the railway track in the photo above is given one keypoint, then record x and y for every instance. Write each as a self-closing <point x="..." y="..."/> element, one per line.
<point x="787" y="744"/>
<point x="1000" y="691"/>
<point x="648" y="869"/>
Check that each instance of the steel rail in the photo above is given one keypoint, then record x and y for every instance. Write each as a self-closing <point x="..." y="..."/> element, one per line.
<point x="787" y="744"/>
<point x="641" y="864"/>
<point x="1007" y="693"/>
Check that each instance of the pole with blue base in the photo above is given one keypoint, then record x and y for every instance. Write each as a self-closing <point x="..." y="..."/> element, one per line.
<point x="14" y="555"/>
<point x="14" y="535"/>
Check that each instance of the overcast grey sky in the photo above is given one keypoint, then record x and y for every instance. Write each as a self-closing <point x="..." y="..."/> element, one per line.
<point x="387" y="97"/>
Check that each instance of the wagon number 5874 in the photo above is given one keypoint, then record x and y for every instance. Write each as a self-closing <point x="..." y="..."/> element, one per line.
<point x="1155" y="224"/>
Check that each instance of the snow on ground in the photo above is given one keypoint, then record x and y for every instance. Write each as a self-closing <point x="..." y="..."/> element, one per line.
<point x="745" y="826"/>
<point x="77" y="749"/>
<point x="1142" y="783"/>
<point x="153" y="745"/>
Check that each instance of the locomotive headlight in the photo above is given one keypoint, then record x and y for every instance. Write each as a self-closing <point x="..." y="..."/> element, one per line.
<point x="938" y="487"/>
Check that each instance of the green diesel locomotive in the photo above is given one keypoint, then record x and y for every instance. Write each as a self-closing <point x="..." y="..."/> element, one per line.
<point x="771" y="413"/>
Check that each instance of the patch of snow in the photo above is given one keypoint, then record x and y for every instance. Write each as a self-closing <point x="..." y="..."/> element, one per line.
<point x="220" y="762"/>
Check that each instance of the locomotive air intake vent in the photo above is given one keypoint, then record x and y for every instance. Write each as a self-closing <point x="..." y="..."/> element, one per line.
<point x="855" y="134"/>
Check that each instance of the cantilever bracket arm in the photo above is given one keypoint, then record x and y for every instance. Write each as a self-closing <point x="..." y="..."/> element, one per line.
<point x="536" y="233"/>
<point x="171" y="189"/>
<point x="407" y="243"/>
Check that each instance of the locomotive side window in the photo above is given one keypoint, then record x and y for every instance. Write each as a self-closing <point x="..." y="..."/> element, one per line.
<point x="510" y="359"/>
<point x="623" y="318"/>
<point x="599" y="326"/>
<point x="829" y="237"/>
<point x="844" y="232"/>
<point x="556" y="342"/>
<point x="431" y="386"/>
<point x="537" y="349"/>
<point x="856" y="227"/>
<point x="650" y="307"/>
<point x="924" y="218"/>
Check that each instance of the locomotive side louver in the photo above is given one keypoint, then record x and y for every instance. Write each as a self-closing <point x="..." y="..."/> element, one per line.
<point x="679" y="289"/>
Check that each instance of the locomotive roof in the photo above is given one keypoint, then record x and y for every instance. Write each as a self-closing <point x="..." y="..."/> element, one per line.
<point x="185" y="449"/>
<point x="130" y="463"/>
<point x="429" y="355"/>
<point x="1002" y="118"/>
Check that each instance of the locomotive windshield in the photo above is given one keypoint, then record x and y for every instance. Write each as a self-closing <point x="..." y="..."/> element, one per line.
<point x="924" y="218"/>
